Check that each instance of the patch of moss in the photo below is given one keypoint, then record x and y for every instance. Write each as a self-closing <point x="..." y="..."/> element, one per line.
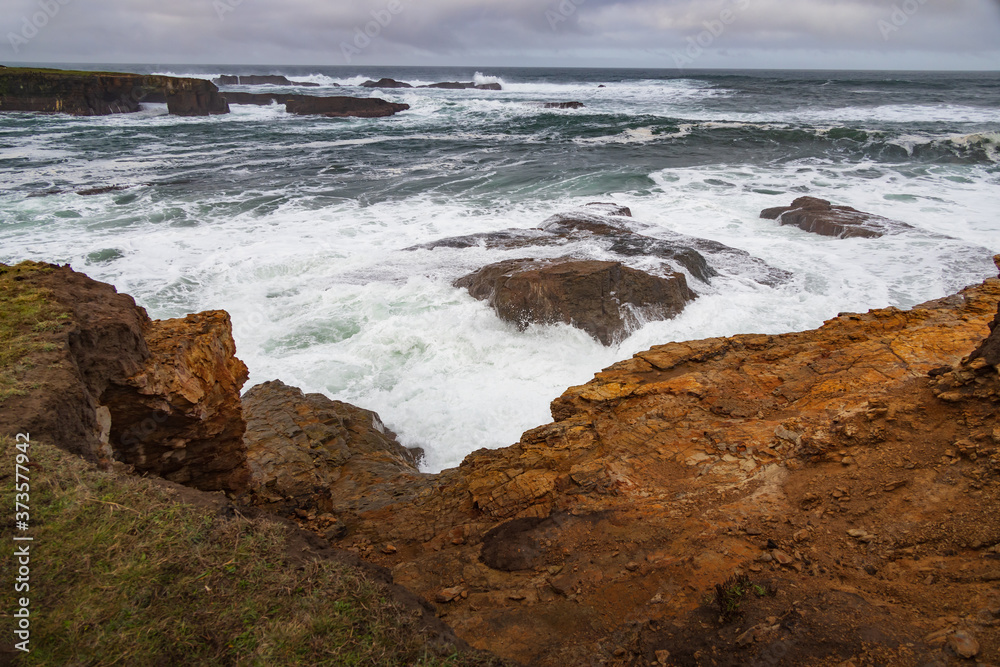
<point x="27" y="314"/>
<point x="125" y="574"/>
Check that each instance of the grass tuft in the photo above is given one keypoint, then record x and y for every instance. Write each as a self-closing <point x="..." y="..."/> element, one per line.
<point x="730" y="594"/>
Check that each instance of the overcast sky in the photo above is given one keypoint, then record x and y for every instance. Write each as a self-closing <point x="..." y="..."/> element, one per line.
<point x="827" y="34"/>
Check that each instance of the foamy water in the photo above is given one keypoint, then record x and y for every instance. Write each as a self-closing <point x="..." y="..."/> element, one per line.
<point x="299" y="226"/>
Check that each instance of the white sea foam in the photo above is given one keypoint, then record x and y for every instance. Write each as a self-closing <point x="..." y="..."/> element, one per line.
<point x="325" y="295"/>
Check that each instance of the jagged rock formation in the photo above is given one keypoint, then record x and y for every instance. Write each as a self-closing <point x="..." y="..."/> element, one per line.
<point x="850" y="476"/>
<point x="109" y="382"/>
<point x="104" y="93"/>
<point x="821" y="217"/>
<point x="606" y="299"/>
<point x="609" y="227"/>
<point x="179" y="417"/>
<point x="819" y="464"/>
<point x="304" y="449"/>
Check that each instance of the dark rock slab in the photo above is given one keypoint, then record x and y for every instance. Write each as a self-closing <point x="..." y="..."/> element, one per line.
<point x="334" y="107"/>
<point x="608" y="300"/>
<point x="340" y="107"/>
<point x="821" y="217"/>
<point x="260" y="80"/>
<point x="463" y="85"/>
<point x="260" y="99"/>
<point x="563" y="105"/>
<point x="308" y="451"/>
<point x="451" y="85"/>
<point x="386" y="83"/>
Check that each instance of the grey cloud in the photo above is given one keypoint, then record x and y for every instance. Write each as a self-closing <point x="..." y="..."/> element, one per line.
<point x="462" y="31"/>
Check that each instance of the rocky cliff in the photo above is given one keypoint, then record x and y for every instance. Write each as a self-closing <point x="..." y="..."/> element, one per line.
<point x="809" y="498"/>
<point x="98" y="378"/>
<point x="104" y="93"/>
<point x="826" y="497"/>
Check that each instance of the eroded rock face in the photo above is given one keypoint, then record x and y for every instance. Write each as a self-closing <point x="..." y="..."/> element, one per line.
<point x="339" y="107"/>
<point x="180" y="416"/>
<point x="305" y="448"/>
<point x="821" y="217"/>
<point x="193" y="97"/>
<point x="104" y="93"/>
<point x="160" y="395"/>
<point x="606" y="299"/>
<point x="817" y="462"/>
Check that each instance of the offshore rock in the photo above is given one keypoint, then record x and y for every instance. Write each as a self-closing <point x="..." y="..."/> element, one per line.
<point x="606" y="299"/>
<point x="261" y="80"/>
<point x="563" y="105"/>
<point x="304" y="449"/>
<point x="821" y="217"/>
<point x="463" y="85"/>
<point x="111" y="383"/>
<point x="191" y="97"/>
<point x="386" y="83"/>
<point x="609" y="227"/>
<point x="340" y="107"/>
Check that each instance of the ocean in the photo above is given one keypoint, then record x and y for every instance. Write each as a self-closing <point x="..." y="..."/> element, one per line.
<point x="301" y="227"/>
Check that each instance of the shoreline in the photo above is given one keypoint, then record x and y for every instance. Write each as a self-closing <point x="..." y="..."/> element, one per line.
<point x="662" y="477"/>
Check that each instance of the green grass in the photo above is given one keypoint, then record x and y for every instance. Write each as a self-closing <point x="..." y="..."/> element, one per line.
<point x="27" y="314"/>
<point x="730" y="594"/>
<point x="122" y="574"/>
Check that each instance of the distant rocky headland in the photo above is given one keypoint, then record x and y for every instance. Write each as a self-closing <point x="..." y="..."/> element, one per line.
<point x="823" y="497"/>
<point x="106" y="93"/>
<point x="85" y="93"/>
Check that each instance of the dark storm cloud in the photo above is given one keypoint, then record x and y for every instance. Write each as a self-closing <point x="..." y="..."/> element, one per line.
<point x="593" y="32"/>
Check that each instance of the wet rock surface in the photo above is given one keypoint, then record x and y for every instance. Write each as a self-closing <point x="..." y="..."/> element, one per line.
<point x="606" y="299"/>
<point x="610" y="228"/>
<point x="821" y="217"/>
<point x="305" y="449"/>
